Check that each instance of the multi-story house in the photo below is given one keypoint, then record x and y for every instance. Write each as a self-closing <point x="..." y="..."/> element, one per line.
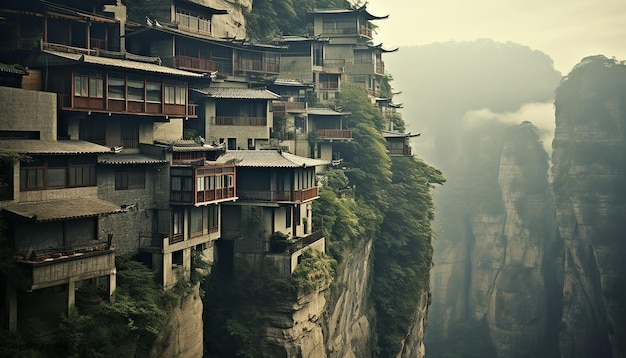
<point x="271" y="224"/>
<point x="348" y="53"/>
<point x="57" y="226"/>
<point x="189" y="217"/>
<point x="398" y="144"/>
<point x="241" y="118"/>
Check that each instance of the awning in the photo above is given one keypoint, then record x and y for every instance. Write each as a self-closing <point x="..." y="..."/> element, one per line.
<point x="62" y="209"/>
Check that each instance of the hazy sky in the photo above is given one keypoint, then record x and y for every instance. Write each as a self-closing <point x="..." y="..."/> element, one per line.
<point x="566" y="30"/>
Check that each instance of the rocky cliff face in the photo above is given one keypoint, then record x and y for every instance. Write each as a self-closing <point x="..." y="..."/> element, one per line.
<point x="338" y="321"/>
<point x="182" y="335"/>
<point x="589" y="176"/>
<point x="497" y="270"/>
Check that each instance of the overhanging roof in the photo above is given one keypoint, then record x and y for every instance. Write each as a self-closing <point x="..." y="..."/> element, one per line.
<point x="324" y="112"/>
<point x="268" y="159"/>
<point x="390" y="134"/>
<point x="361" y="9"/>
<point x="62" y="209"/>
<point x="125" y="64"/>
<point x="134" y="158"/>
<point x="34" y="146"/>
<point x="237" y="93"/>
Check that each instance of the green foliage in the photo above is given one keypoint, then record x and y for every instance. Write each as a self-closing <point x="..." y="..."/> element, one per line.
<point x="279" y="242"/>
<point x="403" y="250"/>
<point x="271" y="18"/>
<point x="315" y="270"/>
<point x="97" y="328"/>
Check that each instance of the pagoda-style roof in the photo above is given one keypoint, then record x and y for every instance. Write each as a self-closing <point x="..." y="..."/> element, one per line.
<point x="391" y="134"/>
<point x="268" y="159"/>
<point x="360" y="10"/>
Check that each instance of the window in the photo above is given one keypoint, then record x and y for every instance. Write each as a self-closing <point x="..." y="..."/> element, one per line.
<point x="363" y="57"/>
<point x="88" y="85"/>
<point x="288" y="217"/>
<point x="195" y="222"/>
<point x="153" y="92"/>
<point x="177" y="223"/>
<point x="213" y="216"/>
<point x="57" y="172"/>
<point x="130" y="178"/>
<point x="175" y="94"/>
<point x="136" y="89"/>
<point x="117" y="87"/>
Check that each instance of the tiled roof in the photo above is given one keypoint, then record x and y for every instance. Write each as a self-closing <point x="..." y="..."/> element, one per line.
<point x="34" y="146"/>
<point x="12" y="69"/>
<point x="237" y="93"/>
<point x="324" y="112"/>
<point x="349" y="11"/>
<point x="268" y="159"/>
<point x="126" y="64"/>
<point x="62" y="209"/>
<point x="390" y="134"/>
<point x="134" y="158"/>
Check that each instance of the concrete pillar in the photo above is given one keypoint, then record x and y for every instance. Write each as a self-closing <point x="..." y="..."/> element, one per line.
<point x="112" y="285"/>
<point x="71" y="295"/>
<point x="11" y="300"/>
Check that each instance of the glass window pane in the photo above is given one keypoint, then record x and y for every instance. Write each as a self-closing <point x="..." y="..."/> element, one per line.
<point x="135" y="90"/>
<point x="57" y="177"/>
<point x="116" y="88"/>
<point x="153" y="92"/>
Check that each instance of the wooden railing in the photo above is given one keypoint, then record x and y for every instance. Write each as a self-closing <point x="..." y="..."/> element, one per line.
<point x="335" y="133"/>
<point x="365" y="31"/>
<point x="239" y="121"/>
<point x="244" y="64"/>
<point x="297" y="196"/>
<point x="126" y="106"/>
<point x="302" y="242"/>
<point x="193" y="63"/>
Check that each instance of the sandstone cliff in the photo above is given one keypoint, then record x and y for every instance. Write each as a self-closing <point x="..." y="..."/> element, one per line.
<point x="499" y="270"/>
<point x="589" y="175"/>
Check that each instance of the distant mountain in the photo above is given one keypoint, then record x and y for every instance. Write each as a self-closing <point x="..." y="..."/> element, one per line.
<point x="441" y="82"/>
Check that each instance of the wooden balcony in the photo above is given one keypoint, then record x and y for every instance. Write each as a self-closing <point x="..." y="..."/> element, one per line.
<point x="300" y="243"/>
<point x="202" y="197"/>
<point x="194" y="64"/>
<point x="281" y="108"/>
<point x="249" y="65"/>
<point x="365" y="31"/>
<point x="68" y="102"/>
<point x="339" y="134"/>
<point x="296" y="196"/>
<point x="238" y="121"/>
<point x="57" y="266"/>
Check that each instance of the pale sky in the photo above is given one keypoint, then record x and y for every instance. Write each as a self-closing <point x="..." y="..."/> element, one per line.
<point x="565" y="30"/>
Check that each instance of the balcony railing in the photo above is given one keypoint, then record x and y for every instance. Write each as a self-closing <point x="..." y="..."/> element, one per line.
<point x="239" y="121"/>
<point x="244" y="64"/>
<point x="122" y="106"/>
<point x="404" y="151"/>
<point x="296" y="196"/>
<point x="204" y="196"/>
<point x="380" y="68"/>
<point x="335" y="133"/>
<point x="300" y="243"/>
<point x="280" y="109"/>
<point x="194" y="64"/>
<point x="365" y="31"/>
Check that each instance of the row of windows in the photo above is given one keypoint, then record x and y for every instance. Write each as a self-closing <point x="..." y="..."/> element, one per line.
<point x="203" y="220"/>
<point x="56" y="173"/>
<point x="133" y="88"/>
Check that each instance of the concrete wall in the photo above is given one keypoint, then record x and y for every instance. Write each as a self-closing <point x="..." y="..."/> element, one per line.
<point x="168" y="131"/>
<point x="25" y="110"/>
